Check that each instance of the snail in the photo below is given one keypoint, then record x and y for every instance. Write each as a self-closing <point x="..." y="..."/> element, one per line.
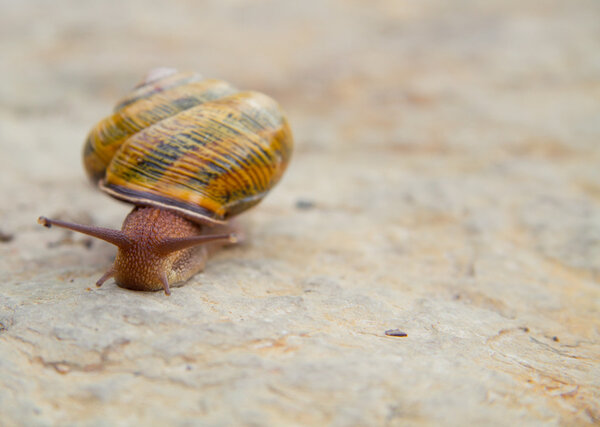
<point x="189" y="153"/>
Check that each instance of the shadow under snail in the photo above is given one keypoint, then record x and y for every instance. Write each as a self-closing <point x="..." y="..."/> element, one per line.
<point x="189" y="153"/>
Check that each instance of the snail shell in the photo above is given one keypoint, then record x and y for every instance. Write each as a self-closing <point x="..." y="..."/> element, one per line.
<point x="192" y="145"/>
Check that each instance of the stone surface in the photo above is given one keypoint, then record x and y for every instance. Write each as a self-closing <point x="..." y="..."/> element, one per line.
<point x="445" y="183"/>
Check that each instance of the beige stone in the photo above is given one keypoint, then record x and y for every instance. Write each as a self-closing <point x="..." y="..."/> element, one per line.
<point x="445" y="183"/>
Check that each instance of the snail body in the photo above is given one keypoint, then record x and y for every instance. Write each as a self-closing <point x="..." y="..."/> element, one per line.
<point x="189" y="154"/>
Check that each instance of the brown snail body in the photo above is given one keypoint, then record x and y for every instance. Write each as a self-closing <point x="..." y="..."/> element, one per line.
<point x="189" y="154"/>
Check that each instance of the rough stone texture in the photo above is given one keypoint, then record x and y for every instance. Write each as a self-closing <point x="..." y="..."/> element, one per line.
<point x="445" y="183"/>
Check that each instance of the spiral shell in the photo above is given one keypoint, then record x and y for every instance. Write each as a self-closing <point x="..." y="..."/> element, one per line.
<point x="192" y="145"/>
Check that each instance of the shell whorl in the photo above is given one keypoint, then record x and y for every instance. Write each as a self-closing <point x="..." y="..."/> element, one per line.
<point x="199" y="147"/>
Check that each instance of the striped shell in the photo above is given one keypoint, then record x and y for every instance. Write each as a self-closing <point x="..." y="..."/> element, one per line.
<point x="192" y="145"/>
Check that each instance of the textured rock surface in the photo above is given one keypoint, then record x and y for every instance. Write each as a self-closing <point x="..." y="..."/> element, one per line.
<point x="446" y="183"/>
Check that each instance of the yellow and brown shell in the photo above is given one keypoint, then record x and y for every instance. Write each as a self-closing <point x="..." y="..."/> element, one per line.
<point x="192" y="145"/>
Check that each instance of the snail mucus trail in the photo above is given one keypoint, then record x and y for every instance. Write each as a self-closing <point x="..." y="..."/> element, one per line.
<point x="189" y="153"/>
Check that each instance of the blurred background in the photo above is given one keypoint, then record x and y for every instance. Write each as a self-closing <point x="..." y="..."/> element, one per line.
<point x="447" y="166"/>
<point x="400" y="109"/>
<point x="376" y="75"/>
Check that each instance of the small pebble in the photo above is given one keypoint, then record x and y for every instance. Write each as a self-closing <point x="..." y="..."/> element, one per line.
<point x="304" y="204"/>
<point x="6" y="237"/>
<point x="395" y="333"/>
